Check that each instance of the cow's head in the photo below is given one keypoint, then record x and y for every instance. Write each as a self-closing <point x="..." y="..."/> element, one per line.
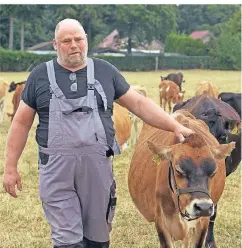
<point x="12" y="87"/>
<point x="193" y="164"/>
<point x="163" y="78"/>
<point x="217" y="124"/>
<point x="179" y="97"/>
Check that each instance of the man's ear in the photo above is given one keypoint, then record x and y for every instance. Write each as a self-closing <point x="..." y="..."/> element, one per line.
<point x="54" y="44"/>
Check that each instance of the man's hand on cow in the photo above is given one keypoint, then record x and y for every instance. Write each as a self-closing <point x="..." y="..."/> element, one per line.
<point x="10" y="180"/>
<point x="182" y="132"/>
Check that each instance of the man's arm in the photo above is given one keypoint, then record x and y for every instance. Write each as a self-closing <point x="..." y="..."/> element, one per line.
<point x="152" y="114"/>
<point x="16" y="141"/>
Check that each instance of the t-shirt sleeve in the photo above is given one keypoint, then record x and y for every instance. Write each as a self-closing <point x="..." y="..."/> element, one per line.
<point x="120" y="84"/>
<point x="28" y="94"/>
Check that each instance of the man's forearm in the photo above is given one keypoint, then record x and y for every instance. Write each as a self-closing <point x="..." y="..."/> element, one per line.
<point x="16" y="140"/>
<point x="154" y="115"/>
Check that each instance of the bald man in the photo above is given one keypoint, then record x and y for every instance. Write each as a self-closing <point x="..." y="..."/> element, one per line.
<point x="73" y="96"/>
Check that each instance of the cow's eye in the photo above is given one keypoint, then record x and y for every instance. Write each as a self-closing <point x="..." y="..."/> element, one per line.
<point x="181" y="174"/>
<point x="213" y="174"/>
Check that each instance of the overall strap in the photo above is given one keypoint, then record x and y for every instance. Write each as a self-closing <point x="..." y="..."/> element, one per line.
<point x="92" y="83"/>
<point x="53" y="85"/>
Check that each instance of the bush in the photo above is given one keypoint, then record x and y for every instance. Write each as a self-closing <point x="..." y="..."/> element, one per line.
<point x="20" y="61"/>
<point x="185" y="45"/>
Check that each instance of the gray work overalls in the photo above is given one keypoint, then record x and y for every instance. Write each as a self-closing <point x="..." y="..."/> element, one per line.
<point x="76" y="185"/>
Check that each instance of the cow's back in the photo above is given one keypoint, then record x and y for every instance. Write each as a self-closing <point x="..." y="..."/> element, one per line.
<point x="206" y="87"/>
<point x="144" y="173"/>
<point x="17" y="97"/>
<point x="122" y="123"/>
<point x="3" y="88"/>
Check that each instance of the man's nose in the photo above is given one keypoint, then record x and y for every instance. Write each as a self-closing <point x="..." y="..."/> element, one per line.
<point x="73" y="43"/>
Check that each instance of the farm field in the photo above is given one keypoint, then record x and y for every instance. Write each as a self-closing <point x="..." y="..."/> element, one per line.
<point x="23" y="224"/>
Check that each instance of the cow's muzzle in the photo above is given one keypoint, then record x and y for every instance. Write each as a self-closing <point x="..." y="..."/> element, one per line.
<point x="200" y="208"/>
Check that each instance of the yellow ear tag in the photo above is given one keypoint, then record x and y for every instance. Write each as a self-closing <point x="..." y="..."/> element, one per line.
<point x="156" y="159"/>
<point x="234" y="130"/>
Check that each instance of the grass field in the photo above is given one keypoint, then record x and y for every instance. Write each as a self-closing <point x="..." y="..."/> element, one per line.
<point x="23" y="224"/>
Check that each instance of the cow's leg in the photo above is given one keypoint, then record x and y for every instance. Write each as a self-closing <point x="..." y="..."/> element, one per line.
<point x="160" y="101"/>
<point x="135" y="130"/>
<point x="163" y="234"/>
<point x="210" y="242"/>
<point x="169" y="103"/>
<point x="199" y="236"/>
<point x="165" y="104"/>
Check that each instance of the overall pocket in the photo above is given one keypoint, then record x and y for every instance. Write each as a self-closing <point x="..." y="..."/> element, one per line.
<point x="112" y="203"/>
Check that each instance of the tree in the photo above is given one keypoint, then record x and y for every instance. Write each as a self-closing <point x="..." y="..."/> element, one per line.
<point x="9" y="11"/>
<point x="226" y="49"/>
<point x="141" y="23"/>
<point x="25" y="14"/>
<point x="191" y="17"/>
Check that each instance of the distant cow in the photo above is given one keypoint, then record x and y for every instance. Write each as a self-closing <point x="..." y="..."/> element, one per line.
<point x="122" y="124"/>
<point x="219" y="116"/>
<point x="13" y="85"/>
<point x="206" y="87"/>
<point x="169" y="93"/>
<point x="3" y="90"/>
<point x="16" y="99"/>
<point x="176" y="78"/>
<point x="176" y="185"/>
<point x="233" y="99"/>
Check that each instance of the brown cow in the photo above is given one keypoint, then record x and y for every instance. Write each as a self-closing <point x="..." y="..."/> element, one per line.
<point x="16" y="99"/>
<point x="178" y="188"/>
<point x="169" y="92"/>
<point x="122" y="124"/>
<point x="176" y="78"/>
<point x="206" y="87"/>
<point x="3" y="90"/>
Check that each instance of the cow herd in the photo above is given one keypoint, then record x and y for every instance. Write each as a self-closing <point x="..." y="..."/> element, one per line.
<point x="177" y="185"/>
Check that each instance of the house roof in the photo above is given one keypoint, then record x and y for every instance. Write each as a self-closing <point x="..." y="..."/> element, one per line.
<point x="199" y="34"/>
<point x="110" y="40"/>
<point x="40" y="46"/>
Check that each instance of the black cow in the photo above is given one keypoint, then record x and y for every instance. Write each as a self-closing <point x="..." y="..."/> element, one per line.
<point x="219" y="116"/>
<point x="176" y="78"/>
<point x="233" y="99"/>
<point x="13" y="85"/>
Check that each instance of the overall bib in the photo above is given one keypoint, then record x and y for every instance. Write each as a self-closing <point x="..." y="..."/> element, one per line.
<point x="76" y="186"/>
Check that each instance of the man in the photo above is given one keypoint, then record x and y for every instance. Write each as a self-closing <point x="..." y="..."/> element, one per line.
<point x="73" y="96"/>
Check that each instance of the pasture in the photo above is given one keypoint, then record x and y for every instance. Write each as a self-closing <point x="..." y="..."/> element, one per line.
<point x="23" y="224"/>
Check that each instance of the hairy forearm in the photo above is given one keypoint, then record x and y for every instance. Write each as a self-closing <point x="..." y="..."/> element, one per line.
<point x="16" y="140"/>
<point x="154" y="115"/>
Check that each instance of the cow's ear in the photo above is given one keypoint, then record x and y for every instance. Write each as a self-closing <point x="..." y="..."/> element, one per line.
<point x="223" y="151"/>
<point x="164" y="152"/>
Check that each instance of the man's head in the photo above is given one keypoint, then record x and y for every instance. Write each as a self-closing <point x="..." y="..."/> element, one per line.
<point x="70" y="43"/>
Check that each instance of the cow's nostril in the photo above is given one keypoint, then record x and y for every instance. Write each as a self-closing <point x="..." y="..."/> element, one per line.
<point x="203" y="208"/>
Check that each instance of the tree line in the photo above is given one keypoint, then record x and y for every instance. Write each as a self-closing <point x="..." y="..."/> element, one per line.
<point x="22" y="26"/>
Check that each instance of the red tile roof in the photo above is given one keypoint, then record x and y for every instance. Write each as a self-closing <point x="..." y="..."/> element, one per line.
<point x="110" y="40"/>
<point x="199" y="34"/>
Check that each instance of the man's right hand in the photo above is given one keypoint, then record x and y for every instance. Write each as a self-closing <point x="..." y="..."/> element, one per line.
<point x="10" y="180"/>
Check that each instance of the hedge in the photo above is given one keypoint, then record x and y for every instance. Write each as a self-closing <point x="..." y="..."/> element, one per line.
<point x="22" y="61"/>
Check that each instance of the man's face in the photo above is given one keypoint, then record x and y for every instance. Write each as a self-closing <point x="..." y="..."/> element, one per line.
<point x="71" y="45"/>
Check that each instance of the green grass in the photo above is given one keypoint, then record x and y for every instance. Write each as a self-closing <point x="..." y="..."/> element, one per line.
<point x="23" y="224"/>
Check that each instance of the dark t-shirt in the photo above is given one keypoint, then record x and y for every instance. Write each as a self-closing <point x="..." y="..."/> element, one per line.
<point x="36" y="93"/>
